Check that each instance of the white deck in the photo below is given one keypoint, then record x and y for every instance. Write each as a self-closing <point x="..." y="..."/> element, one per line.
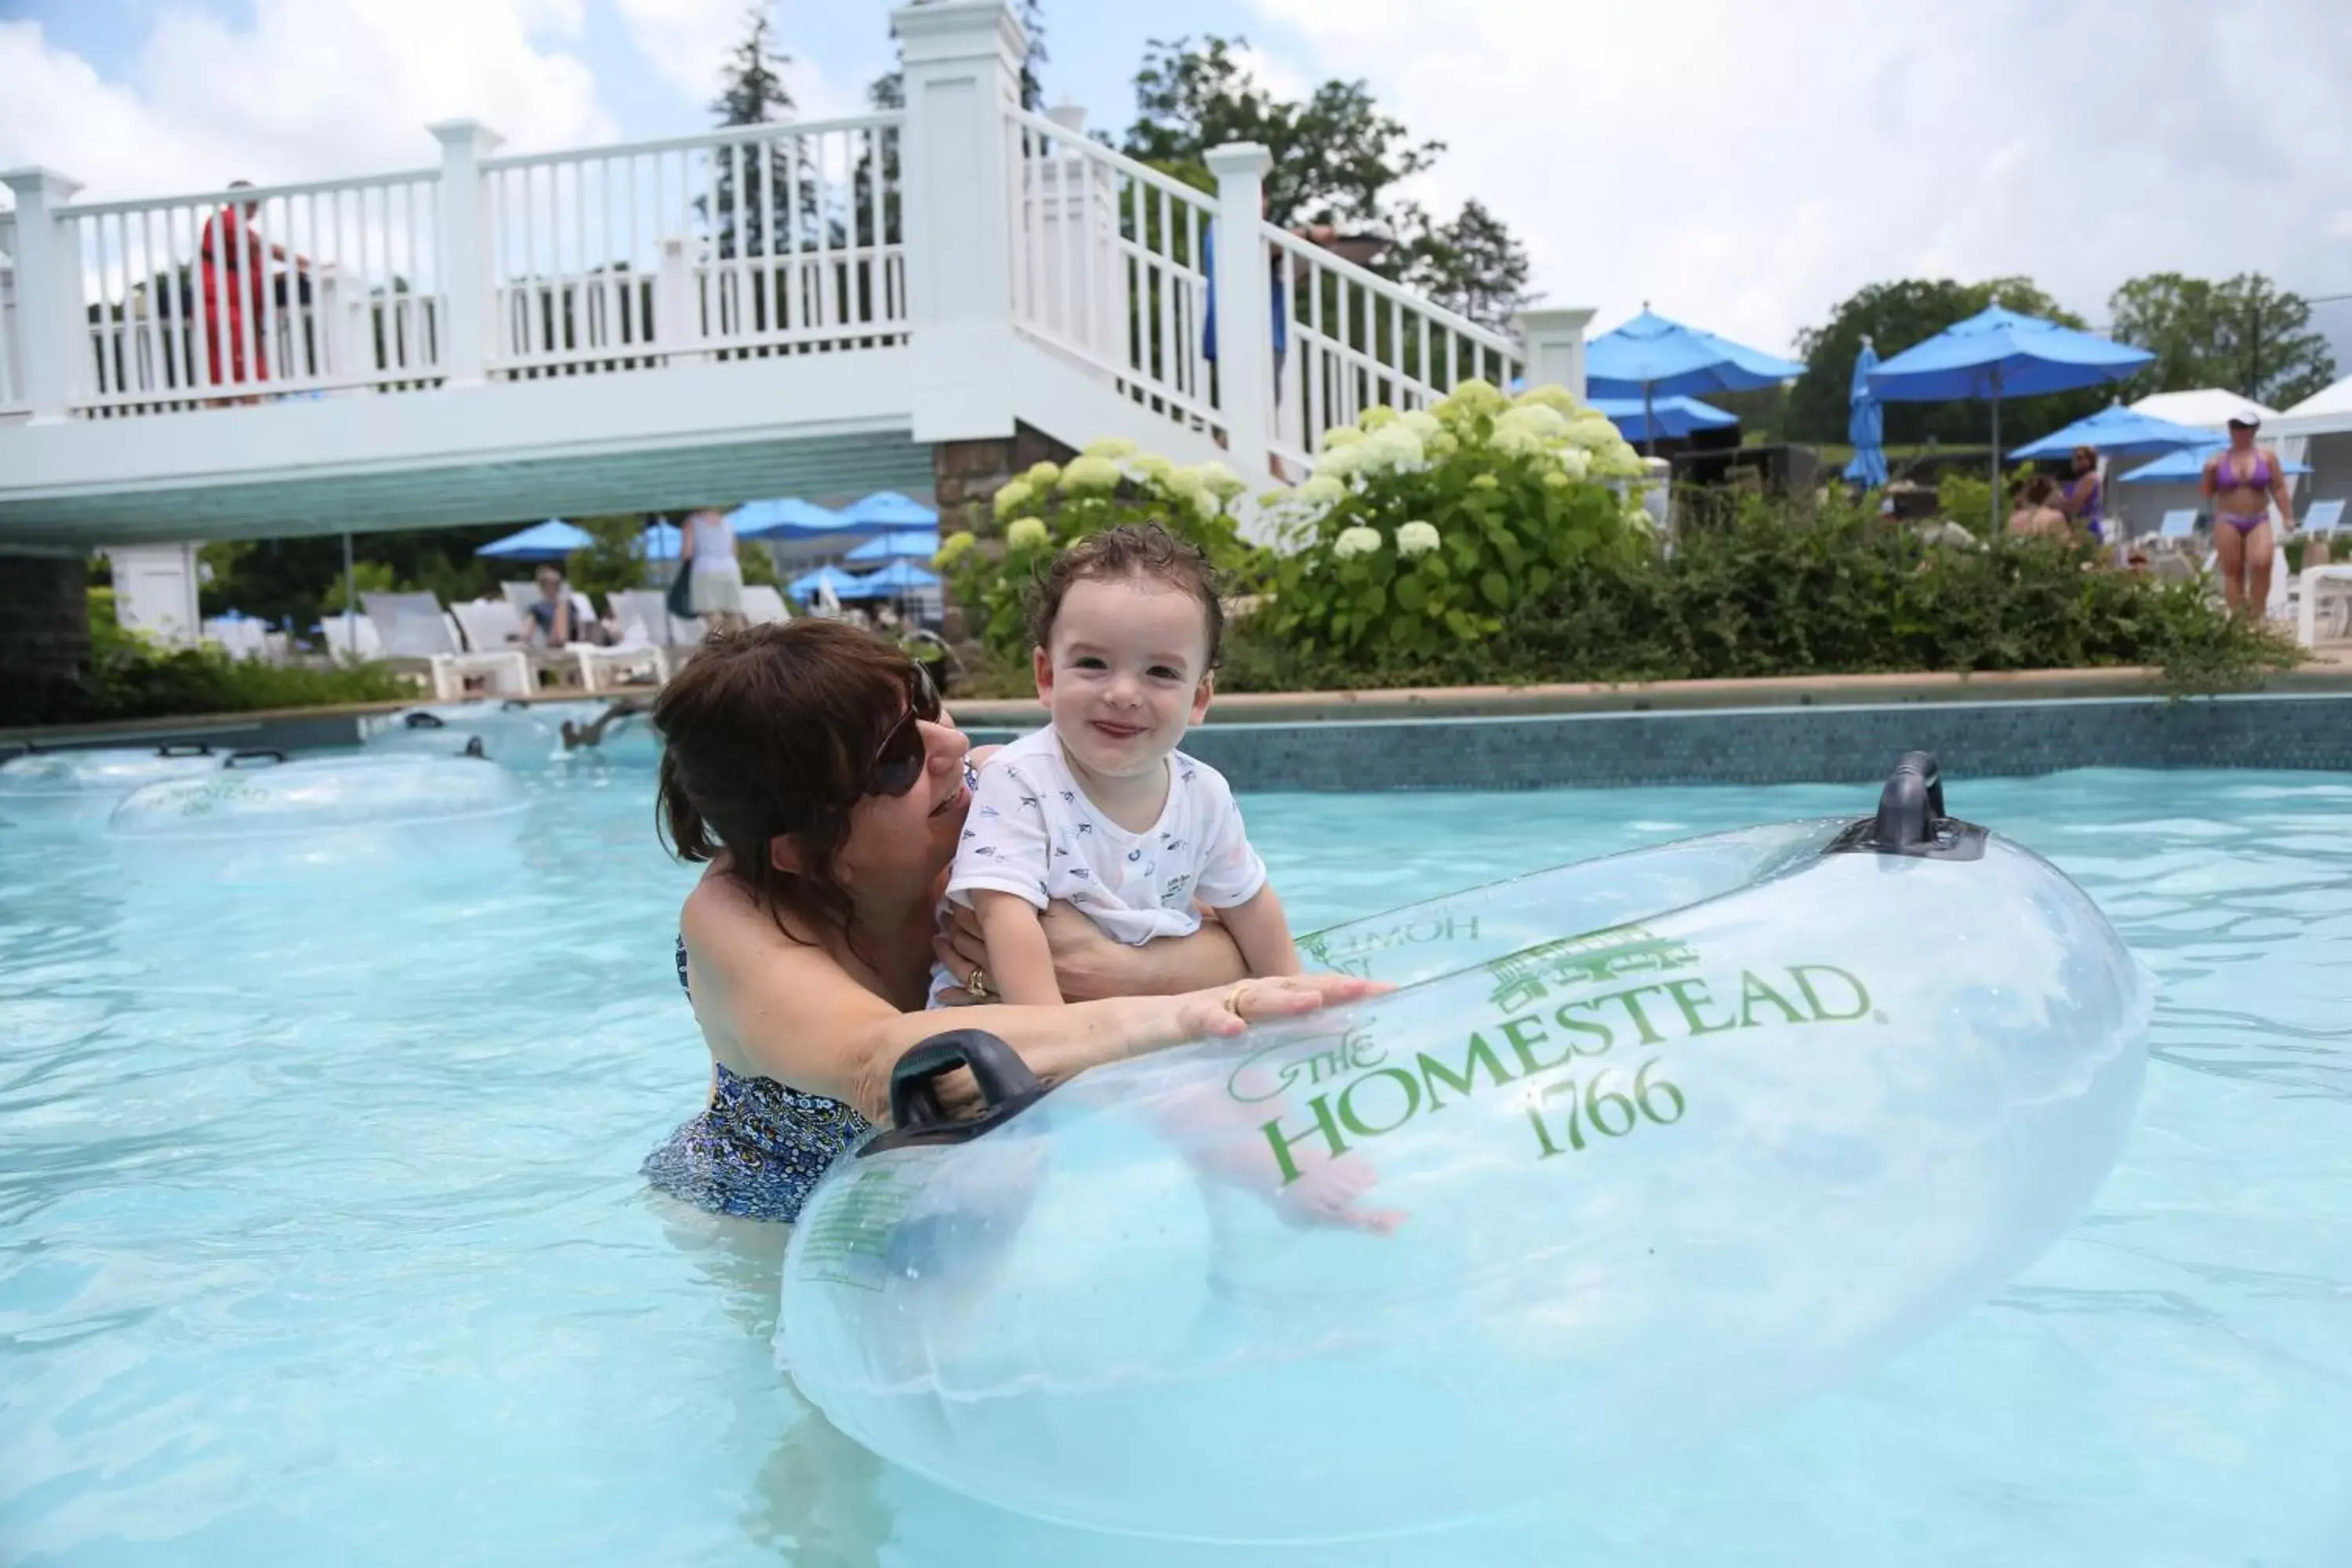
<point x="791" y="309"/>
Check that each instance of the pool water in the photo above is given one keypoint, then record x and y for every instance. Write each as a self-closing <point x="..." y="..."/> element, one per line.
<point x="321" y="1236"/>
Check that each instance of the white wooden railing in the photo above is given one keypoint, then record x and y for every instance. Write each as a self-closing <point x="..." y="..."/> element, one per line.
<point x="12" y="383"/>
<point x="759" y="242"/>
<point x="237" y="293"/>
<point x="766" y="239"/>
<point x="1110" y="265"/>
<point x="1352" y="339"/>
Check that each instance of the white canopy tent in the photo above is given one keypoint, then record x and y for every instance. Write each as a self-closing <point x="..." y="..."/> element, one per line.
<point x="2319" y="431"/>
<point x="2210" y="406"/>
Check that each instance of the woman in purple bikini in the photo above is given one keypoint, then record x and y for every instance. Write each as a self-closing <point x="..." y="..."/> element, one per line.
<point x="2081" y="498"/>
<point x="2241" y="483"/>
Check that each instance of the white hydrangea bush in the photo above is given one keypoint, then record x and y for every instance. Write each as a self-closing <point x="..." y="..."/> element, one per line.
<point x="1421" y="528"/>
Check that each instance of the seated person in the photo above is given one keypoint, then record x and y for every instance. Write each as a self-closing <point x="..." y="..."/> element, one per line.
<point x="2037" y="515"/>
<point x="555" y="620"/>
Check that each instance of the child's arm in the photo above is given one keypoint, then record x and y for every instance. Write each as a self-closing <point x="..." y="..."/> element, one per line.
<point x="1020" y="963"/>
<point x="1260" y="930"/>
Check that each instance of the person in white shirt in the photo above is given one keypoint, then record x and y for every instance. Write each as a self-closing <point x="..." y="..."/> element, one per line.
<point x="1101" y="809"/>
<point x="706" y="553"/>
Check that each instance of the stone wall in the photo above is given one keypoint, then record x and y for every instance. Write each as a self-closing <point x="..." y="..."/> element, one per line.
<point x="966" y="475"/>
<point x="44" y="633"/>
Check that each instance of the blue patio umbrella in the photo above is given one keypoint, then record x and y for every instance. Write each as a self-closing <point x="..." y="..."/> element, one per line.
<point x="1670" y="417"/>
<point x="898" y="577"/>
<point x="1999" y="353"/>
<point x="905" y="544"/>
<point x="659" y="542"/>
<point x="549" y="540"/>
<point x="2117" y="432"/>
<point x="1651" y="357"/>
<point x="1865" y="423"/>
<point x="2186" y="464"/>
<point x="791" y="518"/>
<point x="888" y="509"/>
<point x="809" y="585"/>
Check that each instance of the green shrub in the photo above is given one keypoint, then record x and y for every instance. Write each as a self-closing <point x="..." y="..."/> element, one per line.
<point x="372" y="576"/>
<point x="1422" y="531"/>
<point x="1051" y="507"/>
<point x="1779" y="590"/>
<point x="1965" y="497"/>
<point x="129" y="676"/>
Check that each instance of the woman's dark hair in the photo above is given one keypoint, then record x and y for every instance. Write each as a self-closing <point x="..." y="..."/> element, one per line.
<point x="1117" y="554"/>
<point x="770" y="731"/>
<point x="2040" y="488"/>
<point x="2087" y="454"/>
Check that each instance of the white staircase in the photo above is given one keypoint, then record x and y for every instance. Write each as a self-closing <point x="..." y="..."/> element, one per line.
<point x="801" y="308"/>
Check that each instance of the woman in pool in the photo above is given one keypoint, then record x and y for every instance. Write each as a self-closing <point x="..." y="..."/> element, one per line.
<point x="810" y="767"/>
<point x="2241" y="483"/>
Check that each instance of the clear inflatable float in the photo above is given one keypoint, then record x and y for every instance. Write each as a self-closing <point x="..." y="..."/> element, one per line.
<point x="420" y="816"/>
<point x="525" y="736"/>
<point x="55" y="788"/>
<point x="1637" y="1148"/>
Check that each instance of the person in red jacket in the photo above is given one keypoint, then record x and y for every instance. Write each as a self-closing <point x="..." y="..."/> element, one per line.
<point x="235" y="269"/>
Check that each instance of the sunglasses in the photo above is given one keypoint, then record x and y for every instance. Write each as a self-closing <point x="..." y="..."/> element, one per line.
<point x="899" y="761"/>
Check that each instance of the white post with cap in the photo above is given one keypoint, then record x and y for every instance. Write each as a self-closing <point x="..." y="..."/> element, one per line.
<point x="961" y="63"/>
<point x="1244" y="307"/>
<point x="49" y="316"/>
<point x="465" y="282"/>
<point x="1555" y="340"/>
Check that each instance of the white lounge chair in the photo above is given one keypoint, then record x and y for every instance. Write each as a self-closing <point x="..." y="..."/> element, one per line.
<point x="2179" y="527"/>
<point x="238" y="638"/>
<point x="414" y="625"/>
<point x="2323" y="588"/>
<point x="649" y="608"/>
<point x="763" y="606"/>
<point x="349" y="639"/>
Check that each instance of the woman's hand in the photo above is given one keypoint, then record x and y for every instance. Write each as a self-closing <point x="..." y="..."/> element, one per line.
<point x="1229" y="1011"/>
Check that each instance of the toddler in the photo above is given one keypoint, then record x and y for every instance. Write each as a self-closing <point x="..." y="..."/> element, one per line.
<point x="1099" y="809"/>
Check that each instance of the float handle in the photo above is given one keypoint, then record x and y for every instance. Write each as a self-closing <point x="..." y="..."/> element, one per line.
<point x="1911" y="820"/>
<point x="1911" y="804"/>
<point x="259" y="754"/>
<point x="422" y="721"/>
<point x="1007" y="1088"/>
<point x="184" y="749"/>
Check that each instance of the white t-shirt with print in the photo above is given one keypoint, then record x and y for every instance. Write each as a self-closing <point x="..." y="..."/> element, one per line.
<point x="1033" y="833"/>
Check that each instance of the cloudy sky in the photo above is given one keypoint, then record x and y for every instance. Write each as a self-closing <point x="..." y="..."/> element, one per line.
<point x="1739" y="165"/>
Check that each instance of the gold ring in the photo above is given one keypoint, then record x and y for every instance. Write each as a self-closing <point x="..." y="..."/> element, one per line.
<point x="1234" y="999"/>
<point x="977" y="984"/>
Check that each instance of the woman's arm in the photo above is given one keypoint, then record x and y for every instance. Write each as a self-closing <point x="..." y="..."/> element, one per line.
<point x="794" y="1014"/>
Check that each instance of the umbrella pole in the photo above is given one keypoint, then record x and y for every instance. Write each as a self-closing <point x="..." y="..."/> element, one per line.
<point x="350" y="596"/>
<point x="1649" y="424"/>
<point x="1996" y="449"/>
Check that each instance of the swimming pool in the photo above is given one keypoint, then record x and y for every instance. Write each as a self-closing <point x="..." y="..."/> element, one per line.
<point x="322" y="1235"/>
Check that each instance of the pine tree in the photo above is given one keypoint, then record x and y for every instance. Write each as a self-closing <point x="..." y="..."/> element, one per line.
<point x="752" y="92"/>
